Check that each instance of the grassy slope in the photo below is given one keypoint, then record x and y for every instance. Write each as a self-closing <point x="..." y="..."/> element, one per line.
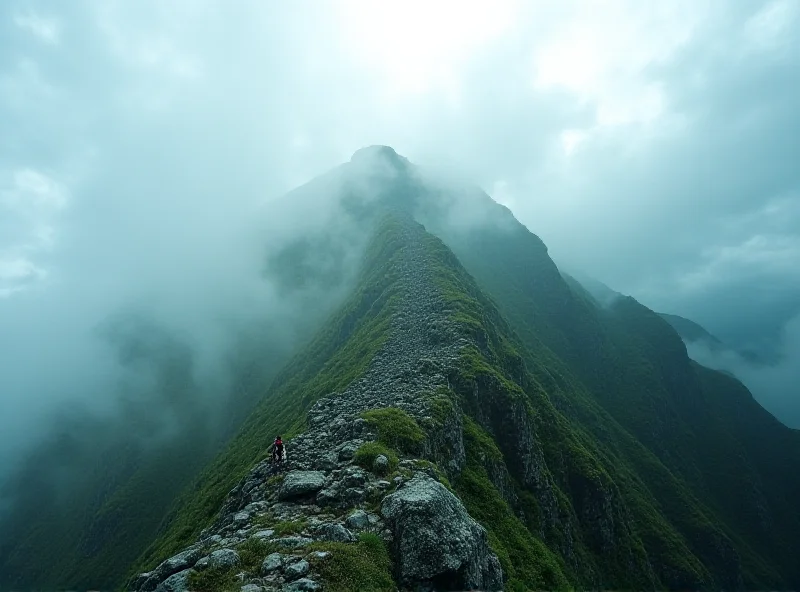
<point x="635" y="366"/>
<point x="665" y="528"/>
<point x="578" y="461"/>
<point x="88" y="534"/>
<point x="337" y="355"/>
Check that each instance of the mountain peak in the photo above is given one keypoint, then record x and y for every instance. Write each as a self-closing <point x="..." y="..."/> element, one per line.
<point x="379" y="156"/>
<point x="376" y="150"/>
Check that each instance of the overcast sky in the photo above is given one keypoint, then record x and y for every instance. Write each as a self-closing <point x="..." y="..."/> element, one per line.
<point x="654" y="145"/>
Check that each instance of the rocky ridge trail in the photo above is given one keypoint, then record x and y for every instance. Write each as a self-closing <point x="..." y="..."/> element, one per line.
<point x="267" y="534"/>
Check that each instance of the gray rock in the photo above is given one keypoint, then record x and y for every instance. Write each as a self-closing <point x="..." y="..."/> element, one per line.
<point x="329" y="496"/>
<point x="354" y="495"/>
<point x="384" y="484"/>
<point x="264" y="534"/>
<point x="291" y="542"/>
<point x="358" y="520"/>
<point x="335" y="533"/>
<point x="202" y="563"/>
<point x="251" y="588"/>
<point x="140" y="580"/>
<point x="381" y="464"/>
<point x="256" y="507"/>
<point x="320" y="555"/>
<point x="272" y="562"/>
<point x="224" y="558"/>
<point x="296" y="570"/>
<point x="434" y="536"/>
<point x="176" y="582"/>
<point x="173" y="565"/>
<point x="241" y="517"/>
<point x="302" y="585"/>
<point x="354" y="477"/>
<point x="347" y="451"/>
<point x="328" y="462"/>
<point x="300" y="483"/>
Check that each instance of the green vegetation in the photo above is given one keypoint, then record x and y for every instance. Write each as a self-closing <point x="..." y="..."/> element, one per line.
<point x="331" y="361"/>
<point x="289" y="527"/>
<point x="527" y="562"/>
<point x="396" y="428"/>
<point x="252" y="553"/>
<point x="216" y="579"/>
<point x="597" y="454"/>
<point x="367" y="453"/>
<point x="364" y="565"/>
<point x="672" y="438"/>
<point x="587" y="462"/>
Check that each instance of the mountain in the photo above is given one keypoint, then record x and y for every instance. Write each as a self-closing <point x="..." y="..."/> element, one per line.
<point x="468" y="417"/>
<point x="692" y="332"/>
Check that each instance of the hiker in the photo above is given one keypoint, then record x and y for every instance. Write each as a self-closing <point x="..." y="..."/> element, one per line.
<point x="277" y="449"/>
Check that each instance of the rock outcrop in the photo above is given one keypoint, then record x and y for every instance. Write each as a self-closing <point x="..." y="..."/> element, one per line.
<point x="435" y="540"/>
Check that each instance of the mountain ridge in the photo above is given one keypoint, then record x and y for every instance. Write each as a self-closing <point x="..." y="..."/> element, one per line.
<point x="557" y="341"/>
<point x="569" y="443"/>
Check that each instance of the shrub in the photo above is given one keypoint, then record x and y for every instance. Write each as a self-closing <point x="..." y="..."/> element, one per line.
<point x="396" y="428"/>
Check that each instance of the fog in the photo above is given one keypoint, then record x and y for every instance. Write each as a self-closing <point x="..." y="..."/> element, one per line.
<point x="776" y="386"/>
<point x="144" y="148"/>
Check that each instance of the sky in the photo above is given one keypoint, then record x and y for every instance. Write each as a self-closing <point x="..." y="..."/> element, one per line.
<point x="653" y="145"/>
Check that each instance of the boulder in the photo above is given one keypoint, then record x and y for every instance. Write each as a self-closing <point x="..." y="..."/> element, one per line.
<point x="223" y="558"/>
<point x="354" y="477"/>
<point x="296" y="570"/>
<point x="302" y="585"/>
<point x="301" y="483"/>
<point x="272" y="562"/>
<point x="176" y="582"/>
<point x="348" y="451"/>
<point x="202" y="563"/>
<point x="335" y="533"/>
<point x="358" y="520"/>
<point x="381" y="464"/>
<point x="436" y="542"/>
<point x="328" y="496"/>
<point x="173" y="565"/>
<point x="264" y="534"/>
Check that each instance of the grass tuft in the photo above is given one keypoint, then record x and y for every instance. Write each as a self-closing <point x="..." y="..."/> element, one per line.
<point x="364" y="566"/>
<point x="396" y="428"/>
<point x="367" y="453"/>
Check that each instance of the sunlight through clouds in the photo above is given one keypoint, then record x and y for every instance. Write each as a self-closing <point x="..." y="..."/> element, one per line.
<point x="416" y="45"/>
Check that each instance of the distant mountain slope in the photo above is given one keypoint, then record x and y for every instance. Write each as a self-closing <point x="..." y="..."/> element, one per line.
<point x="691" y="331"/>
<point x="597" y="454"/>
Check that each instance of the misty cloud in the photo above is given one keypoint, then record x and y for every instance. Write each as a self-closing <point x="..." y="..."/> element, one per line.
<point x="775" y="386"/>
<point x="144" y="148"/>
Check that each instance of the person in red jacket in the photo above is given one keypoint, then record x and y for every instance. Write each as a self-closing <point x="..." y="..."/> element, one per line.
<point x="277" y="450"/>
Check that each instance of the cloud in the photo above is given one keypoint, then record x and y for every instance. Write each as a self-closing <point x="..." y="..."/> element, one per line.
<point x="44" y="28"/>
<point x="651" y="143"/>
<point x="776" y="387"/>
